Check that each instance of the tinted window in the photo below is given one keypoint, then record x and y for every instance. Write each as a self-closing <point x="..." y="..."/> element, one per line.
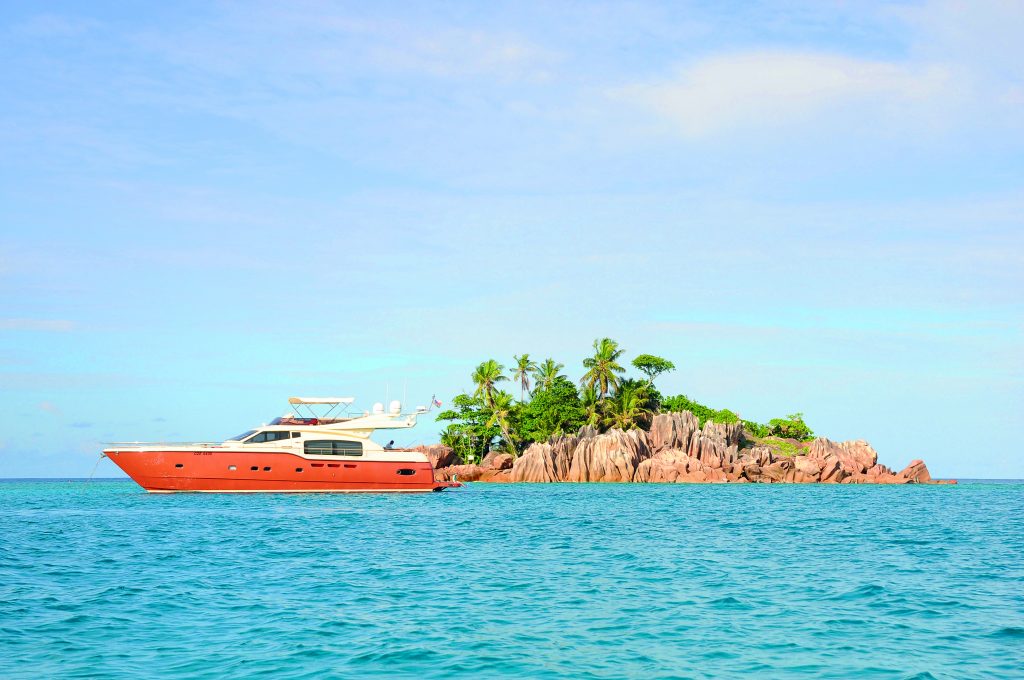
<point x="348" y="448"/>
<point x="333" y="448"/>
<point x="268" y="437"/>
<point x="319" y="448"/>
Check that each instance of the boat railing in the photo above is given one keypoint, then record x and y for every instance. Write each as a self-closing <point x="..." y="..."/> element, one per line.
<point x="200" y="445"/>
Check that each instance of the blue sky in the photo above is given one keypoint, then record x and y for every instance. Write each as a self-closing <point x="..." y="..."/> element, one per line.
<point x="208" y="207"/>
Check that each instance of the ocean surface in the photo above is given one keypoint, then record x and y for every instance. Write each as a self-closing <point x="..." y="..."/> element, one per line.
<point x="102" y="580"/>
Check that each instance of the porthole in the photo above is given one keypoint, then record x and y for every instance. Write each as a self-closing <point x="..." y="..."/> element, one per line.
<point x="266" y="469"/>
<point x="232" y="467"/>
<point x="405" y="472"/>
<point x="298" y="469"/>
<point x="180" y="465"/>
<point x="254" y="468"/>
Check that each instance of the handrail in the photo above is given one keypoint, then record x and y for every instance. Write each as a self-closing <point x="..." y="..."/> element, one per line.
<point x="206" y="444"/>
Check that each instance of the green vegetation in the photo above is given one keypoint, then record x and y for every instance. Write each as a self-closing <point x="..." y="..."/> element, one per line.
<point x="523" y="370"/>
<point x="486" y="376"/>
<point x="554" y="410"/>
<point x="547" y="373"/>
<point x="652" y="366"/>
<point x="783" y="447"/>
<point x="603" y="367"/>
<point x="606" y="398"/>
<point x="704" y="413"/>
<point x="631" y="406"/>
<point x="792" y="426"/>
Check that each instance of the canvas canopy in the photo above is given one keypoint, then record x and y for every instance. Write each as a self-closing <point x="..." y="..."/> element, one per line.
<point x="320" y="400"/>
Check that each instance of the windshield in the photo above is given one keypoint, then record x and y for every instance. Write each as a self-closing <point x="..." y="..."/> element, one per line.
<point x="240" y="437"/>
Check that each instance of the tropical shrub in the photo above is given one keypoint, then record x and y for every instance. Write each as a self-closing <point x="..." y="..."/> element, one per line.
<point x="791" y="427"/>
<point x="704" y="413"/>
<point x="469" y="434"/>
<point x="554" y="410"/>
<point x="631" y="406"/>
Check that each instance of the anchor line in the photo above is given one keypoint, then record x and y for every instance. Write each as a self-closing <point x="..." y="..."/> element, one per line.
<point x="91" y="474"/>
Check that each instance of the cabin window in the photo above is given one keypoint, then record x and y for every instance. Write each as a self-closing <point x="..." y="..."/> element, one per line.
<point x="405" y="472"/>
<point x="296" y="435"/>
<point x="335" y="447"/>
<point x="268" y="437"/>
<point x="232" y="467"/>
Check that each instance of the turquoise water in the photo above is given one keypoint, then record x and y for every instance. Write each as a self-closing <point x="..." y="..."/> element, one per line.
<point x="531" y="581"/>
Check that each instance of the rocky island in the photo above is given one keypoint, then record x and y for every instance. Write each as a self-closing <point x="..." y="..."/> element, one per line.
<point x="618" y="429"/>
<point x="676" y="449"/>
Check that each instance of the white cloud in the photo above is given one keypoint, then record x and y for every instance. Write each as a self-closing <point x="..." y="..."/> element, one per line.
<point x="772" y="89"/>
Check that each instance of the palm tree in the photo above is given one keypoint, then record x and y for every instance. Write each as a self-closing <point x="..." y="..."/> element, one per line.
<point x="488" y="374"/>
<point x="546" y="374"/>
<point x="524" y="367"/>
<point x="628" y="408"/>
<point x="592" y="405"/>
<point x="603" y="366"/>
<point x="501" y="409"/>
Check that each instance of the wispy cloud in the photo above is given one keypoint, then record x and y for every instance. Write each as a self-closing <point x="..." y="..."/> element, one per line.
<point x="39" y="325"/>
<point x="958" y="69"/>
<point x="770" y="89"/>
<point x="330" y="45"/>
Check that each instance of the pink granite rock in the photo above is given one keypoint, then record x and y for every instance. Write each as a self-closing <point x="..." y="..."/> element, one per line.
<point x="917" y="472"/>
<point x="498" y="461"/>
<point x="854" y="456"/>
<point x="545" y="462"/>
<point x="439" y="455"/>
<point x="672" y="431"/>
<point x="463" y="473"/>
<point x="610" y="457"/>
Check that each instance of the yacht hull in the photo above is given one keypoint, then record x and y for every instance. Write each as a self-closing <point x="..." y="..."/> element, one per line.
<point x="229" y="471"/>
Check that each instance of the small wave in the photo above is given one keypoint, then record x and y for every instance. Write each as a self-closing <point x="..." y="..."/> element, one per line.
<point x="727" y="601"/>
<point x="1011" y="632"/>
<point x="868" y="590"/>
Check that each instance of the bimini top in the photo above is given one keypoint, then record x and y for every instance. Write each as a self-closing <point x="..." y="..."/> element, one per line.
<point x="321" y="400"/>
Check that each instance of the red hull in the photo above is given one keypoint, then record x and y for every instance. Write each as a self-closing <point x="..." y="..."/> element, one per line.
<point x="246" y="471"/>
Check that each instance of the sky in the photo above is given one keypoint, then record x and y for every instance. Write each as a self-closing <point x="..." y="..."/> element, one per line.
<point x="206" y="208"/>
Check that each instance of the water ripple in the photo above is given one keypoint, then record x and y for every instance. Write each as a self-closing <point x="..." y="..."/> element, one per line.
<point x="530" y="581"/>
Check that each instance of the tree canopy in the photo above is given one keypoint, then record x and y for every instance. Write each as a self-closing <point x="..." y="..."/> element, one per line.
<point x="522" y="371"/>
<point x="652" y="366"/>
<point x="486" y="376"/>
<point x="603" y="368"/>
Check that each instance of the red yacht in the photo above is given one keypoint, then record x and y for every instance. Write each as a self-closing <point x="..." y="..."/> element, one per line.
<point x="312" y="453"/>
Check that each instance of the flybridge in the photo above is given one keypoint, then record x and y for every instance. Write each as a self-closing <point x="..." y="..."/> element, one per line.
<point x="336" y="415"/>
<point x="309" y="402"/>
